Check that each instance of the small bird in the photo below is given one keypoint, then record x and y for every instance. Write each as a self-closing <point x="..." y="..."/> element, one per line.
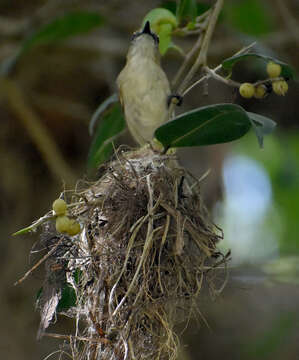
<point x="144" y="90"/>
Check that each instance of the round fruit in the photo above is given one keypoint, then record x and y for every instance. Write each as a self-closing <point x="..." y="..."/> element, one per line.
<point x="59" y="206"/>
<point x="246" y="90"/>
<point x="280" y="87"/>
<point x="260" y="91"/>
<point x="74" y="228"/>
<point x="62" y="224"/>
<point x="273" y="69"/>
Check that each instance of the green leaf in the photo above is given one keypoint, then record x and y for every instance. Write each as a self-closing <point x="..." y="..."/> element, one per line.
<point x="177" y="48"/>
<point x="78" y="275"/>
<point x="112" y="123"/>
<point x="39" y="293"/>
<point x="169" y="5"/>
<point x="101" y="108"/>
<point x="187" y="9"/>
<point x="162" y="23"/>
<point x="36" y="223"/>
<point x="23" y="231"/>
<point x="172" y="6"/>
<point x="68" y="299"/>
<point x="69" y="25"/>
<point x="207" y="125"/>
<point x="262" y="126"/>
<point x="158" y="17"/>
<point x="165" y="38"/>
<point x="286" y="70"/>
<point x="202" y="8"/>
<point x="251" y="17"/>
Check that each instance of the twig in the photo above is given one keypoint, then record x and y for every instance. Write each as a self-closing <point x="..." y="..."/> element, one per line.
<point x="202" y="57"/>
<point x="185" y="31"/>
<point x="191" y="54"/>
<point x="217" y="68"/>
<point x="186" y="62"/>
<point x="33" y="226"/>
<point x="220" y="78"/>
<point x="38" y="263"/>
<point x="80" y="338"/>
<point x="288" y="18"/>
<point x="234" y="83"/>
<point x="37" y="131"/>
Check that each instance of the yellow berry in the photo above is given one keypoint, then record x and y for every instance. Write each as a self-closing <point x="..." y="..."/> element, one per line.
<point x="260" y="91"/>
<point x="280" y="87"/>
<point x="273" y="69"/>
<point x="246" y="90"/>
<point x="62" y="224"/>
<point x="74" y="228"/>
<point x="59" y="206"/>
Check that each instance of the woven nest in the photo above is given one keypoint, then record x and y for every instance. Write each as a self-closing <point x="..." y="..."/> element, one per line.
<point x="145" y="251"/>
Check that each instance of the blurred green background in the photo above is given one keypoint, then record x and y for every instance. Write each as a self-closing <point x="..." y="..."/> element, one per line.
<point x="253" y="194"/>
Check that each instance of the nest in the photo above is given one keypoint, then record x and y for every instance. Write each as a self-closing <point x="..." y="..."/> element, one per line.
<point x="146" y="250"/>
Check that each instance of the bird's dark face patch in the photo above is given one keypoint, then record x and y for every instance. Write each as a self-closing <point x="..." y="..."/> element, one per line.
<point x="139" y="33"/>
<point x="146" y="30"/>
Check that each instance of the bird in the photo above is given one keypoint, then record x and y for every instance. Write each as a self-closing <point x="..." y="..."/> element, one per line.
<point x="143" y="87"/>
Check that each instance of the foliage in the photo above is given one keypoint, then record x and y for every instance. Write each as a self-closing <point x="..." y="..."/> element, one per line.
<point x="261" y="126"/>
<point x="286" y="70"/>
<point x="112" y="123"/>
<point x="69" y="25"/>
<point x="205" y="126"/>
<point x="201" y="126"/>
<point x="59" y="29"/>
<point x="250" y="17"/>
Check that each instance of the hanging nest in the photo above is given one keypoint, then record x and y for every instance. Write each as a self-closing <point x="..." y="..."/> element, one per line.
<point x="145" y="251"/>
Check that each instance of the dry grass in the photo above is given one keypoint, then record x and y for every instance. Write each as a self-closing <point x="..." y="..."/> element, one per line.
<point x="146" y="250"/>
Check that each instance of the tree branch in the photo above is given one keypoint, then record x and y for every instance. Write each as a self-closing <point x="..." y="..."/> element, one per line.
<point x="202" y="57"/>
<point x="213" y="72"/>
<point x="37" y="131"/>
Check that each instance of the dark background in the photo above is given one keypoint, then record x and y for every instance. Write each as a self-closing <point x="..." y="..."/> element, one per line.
<point x="62" y="84"/>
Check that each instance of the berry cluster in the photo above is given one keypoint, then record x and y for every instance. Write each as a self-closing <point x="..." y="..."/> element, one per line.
<point x="63" y="223"/>
<point x="280" y="87"/>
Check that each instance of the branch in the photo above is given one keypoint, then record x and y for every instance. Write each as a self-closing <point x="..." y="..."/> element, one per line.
<point x="79" y="338"/>
<point x="213" y="72"/>
<point x="204" y="17"/>
<point x="220" y="78"/>
<point x="186" y="62"/>
<point x="35" y="266"/>
<point x="289" y="19"/>
<point x="37" y="131"/>
<point x="202" y="57"/>
<point x="237" y="84"/>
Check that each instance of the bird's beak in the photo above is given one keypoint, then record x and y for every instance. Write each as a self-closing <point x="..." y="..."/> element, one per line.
<point x="147" y="28"/>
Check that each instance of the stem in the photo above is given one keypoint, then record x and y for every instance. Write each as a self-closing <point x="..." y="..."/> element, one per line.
<point x="37" y="131"/>
<point x="36" y="224"/>
<point x="34" y="267"/>
<point x="211" y="73"/>
<point x="289" y="19"/>
<point x="202" y="57"/>
<point x="217" y="68"/>
<point x="193" y="51"/>
<point x="202" y="79"/>
<point x="186" y="62"/>
<point x="220" y="78"/>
